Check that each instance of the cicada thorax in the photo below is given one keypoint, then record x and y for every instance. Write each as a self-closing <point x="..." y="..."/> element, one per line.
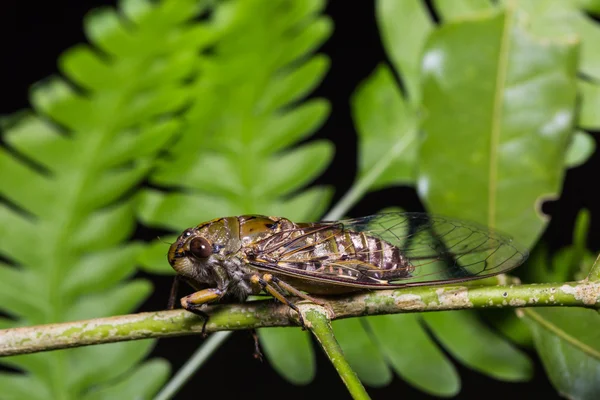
<point x="256" y="229"/>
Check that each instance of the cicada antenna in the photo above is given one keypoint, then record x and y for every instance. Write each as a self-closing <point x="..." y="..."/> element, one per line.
<point x="164" y="241"/>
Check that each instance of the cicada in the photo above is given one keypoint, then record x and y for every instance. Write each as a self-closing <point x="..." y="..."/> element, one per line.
<point x="235" y="257"/>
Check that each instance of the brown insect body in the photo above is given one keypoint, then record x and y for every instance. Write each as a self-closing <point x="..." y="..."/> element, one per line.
<point x="239" y="256"/>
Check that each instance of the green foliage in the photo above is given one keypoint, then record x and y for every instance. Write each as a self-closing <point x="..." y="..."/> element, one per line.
<point x="568" y="263"/>
<point x="211" y="111"/>
<point x="475" y="345"/>
<point x="509" y="133"/>
<point x="362" y="352"/>
<point x="476" y="187"/>
<point x="487" y="153"/>
<point x="290" y="353"/>
<point x="581" y="148"/>
<point x="404" y="27"/>
<point x="413" y="355"/>
<point x="68" y="169"/>
<point x="589" y="118"/>
<point x="567" y="341"/>
<point x="387" y="131"/>
<point x="234" y="153"/>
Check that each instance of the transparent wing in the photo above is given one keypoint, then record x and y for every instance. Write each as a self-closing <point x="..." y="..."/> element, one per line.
<point x="441" y="249"/>
<point x="396" y="249"/>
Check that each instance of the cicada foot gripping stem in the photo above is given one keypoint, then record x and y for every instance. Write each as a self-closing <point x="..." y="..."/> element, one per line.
<point x="196" y="300"/>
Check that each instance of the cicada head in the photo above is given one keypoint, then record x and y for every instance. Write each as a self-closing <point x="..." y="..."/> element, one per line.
<point x="197" y="250"/>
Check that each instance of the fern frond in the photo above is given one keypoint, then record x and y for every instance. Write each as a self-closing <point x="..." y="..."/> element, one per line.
<point x="67" y="173"/>
<point x="235" y="154"/>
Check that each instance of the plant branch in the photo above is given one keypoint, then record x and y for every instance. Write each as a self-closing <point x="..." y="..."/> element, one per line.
<point x="320" y="325"/>
<point x="267" y="313"/>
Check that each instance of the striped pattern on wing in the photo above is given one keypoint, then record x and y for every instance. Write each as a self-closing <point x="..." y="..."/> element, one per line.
<point x="390" y="250"/>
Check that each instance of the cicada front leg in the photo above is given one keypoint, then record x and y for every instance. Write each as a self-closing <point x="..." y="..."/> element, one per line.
<point x="196" y="300"/>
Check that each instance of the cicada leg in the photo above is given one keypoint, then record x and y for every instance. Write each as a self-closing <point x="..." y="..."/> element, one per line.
<point x="265" y="283"/>
<point x="173" y="294"/>
<point x="257" y="353"/>
<point x="194" y="301"/>
<point x="290" y="289"/>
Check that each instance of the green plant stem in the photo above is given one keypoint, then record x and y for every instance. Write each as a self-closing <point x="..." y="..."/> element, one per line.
<point x="594" y="274"/>
<point x="184" y="374"/>
<point x="320" y="326"/>
<point x="362" y="185"/>
<point x="268" y="313"/>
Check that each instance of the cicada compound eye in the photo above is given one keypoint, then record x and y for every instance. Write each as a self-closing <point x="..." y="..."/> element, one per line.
<point x="200" y="247"/>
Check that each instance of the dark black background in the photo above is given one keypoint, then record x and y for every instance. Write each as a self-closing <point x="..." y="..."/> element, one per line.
<point x="33" y="34"/>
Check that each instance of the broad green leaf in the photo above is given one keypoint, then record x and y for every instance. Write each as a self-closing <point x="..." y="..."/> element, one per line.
<point x="364" y="356"/>
<point x="478" y="347"/>
<point x="413" y="355"/>
<point x="568" y="342"/>
<point x="460" y="9"/>
<point x="386" y="131"/>
<point x="580" y="149"/>
<point x="290" y="352"/>
<point x="578" y="326"/>
<point x="69" y="169"/>
<point x="564" y="20"/>
<point x="567" y="21"/>
<point x="507" y="134"/>
<point x="404" y="27"/>
<point x="236" y="153"/>
<point x="589" y="117"/>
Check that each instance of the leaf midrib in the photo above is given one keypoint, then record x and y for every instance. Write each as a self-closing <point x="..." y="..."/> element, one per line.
<point x="70" y="202"/>
<point x="66" y="221"/>
<point x="497" y="117"/>
<point x="553" y="328"/>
